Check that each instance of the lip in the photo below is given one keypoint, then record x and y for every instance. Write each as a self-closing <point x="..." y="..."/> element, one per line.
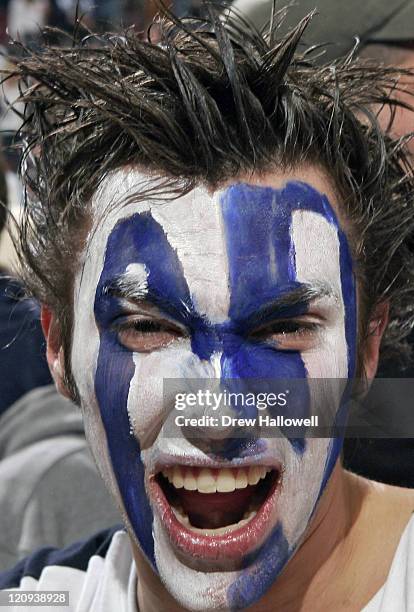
<point x="167" y="459"/>
<point x="231" y="546"/>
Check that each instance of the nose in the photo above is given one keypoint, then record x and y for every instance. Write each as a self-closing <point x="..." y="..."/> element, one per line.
<point x="212" y="421"/>
<point x="213" y="438"/>
<point x="213" y="428"/>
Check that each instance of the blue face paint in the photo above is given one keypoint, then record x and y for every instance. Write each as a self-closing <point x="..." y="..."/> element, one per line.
<point x="261" y="261"/>
<point x="251" y="584"/>
<point x="258" y="223"/>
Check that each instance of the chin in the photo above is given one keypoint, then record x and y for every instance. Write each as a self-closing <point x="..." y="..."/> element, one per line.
<point x="223" y="532"/>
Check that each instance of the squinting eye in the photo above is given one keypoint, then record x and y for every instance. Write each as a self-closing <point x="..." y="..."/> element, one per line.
<point x="288" y="335"/>
<point x="145" y="335"/>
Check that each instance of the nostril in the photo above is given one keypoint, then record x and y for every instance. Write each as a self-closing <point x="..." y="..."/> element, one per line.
<point x="205" y="424"/>
<point x="225" y="448"/>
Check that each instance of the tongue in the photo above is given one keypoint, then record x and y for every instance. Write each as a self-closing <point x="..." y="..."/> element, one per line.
<point x="213" y="510"/>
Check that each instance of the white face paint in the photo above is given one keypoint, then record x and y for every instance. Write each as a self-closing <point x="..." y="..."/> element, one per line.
<point x="169" y="290"/>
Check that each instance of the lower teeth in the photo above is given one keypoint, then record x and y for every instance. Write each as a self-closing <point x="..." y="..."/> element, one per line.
<point x="184" y="520"/>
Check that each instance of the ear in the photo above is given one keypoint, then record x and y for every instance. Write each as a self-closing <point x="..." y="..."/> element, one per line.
<point x="54" y="349"/>
<point x="376" y="327"/>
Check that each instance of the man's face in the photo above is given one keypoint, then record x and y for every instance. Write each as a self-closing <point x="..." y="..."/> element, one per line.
<point x="192" y="288"/>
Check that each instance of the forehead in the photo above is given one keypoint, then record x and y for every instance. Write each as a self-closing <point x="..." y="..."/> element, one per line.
<point x="219" y="247"/>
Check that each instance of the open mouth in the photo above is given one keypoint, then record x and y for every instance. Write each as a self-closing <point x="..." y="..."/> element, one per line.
<point x="215" y="500"/>
<point x="216" y="513"/>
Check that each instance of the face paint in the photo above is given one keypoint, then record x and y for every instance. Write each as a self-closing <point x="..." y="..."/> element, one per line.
<point x="176" y="289"/>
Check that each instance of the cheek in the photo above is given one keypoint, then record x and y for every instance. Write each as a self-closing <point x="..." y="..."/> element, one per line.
<point x="320" y="249"/>
<point x="153" y="386"/>
<point x="103" y="421"/>
<point x="148" y="400"/>
<point x="114" y="371"/>
<point x="303" y="476"/>
<point x="329" y="360"/>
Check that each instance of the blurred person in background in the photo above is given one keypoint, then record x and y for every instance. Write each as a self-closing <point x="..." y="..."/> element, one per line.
<point x="10" y="121"/>
<point x="109" y="13"/>
<point x="43" y="453"/>
<point x="3" y="21"/>
<point x="22" y="349"/>
<point x="180" y="8"/>
<point x="65" y="12"/>
<point x="381" y="30"/>
<point x="25" y="17"/>
<point x="50" y="491"/>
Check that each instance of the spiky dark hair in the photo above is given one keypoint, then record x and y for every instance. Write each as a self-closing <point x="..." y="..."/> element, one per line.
<point x="210" y="102"/>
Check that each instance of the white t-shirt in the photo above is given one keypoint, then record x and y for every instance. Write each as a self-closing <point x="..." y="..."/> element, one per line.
<point x="100" y="576"/>
<point x="397" y="594"/>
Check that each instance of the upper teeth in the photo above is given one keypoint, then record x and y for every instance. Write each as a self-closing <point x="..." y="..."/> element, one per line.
<point x="205" y="480"/>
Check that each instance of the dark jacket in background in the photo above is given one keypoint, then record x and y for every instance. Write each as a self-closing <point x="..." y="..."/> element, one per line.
<point x="23" y="363"/>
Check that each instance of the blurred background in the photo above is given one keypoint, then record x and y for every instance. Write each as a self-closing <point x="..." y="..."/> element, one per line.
<point x="22" y="20"/>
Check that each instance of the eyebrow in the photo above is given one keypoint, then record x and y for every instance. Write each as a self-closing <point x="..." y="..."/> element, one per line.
<point x="127" y="286"/>
<point x="134" y="288"/>
<point x="290" y="302"/>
